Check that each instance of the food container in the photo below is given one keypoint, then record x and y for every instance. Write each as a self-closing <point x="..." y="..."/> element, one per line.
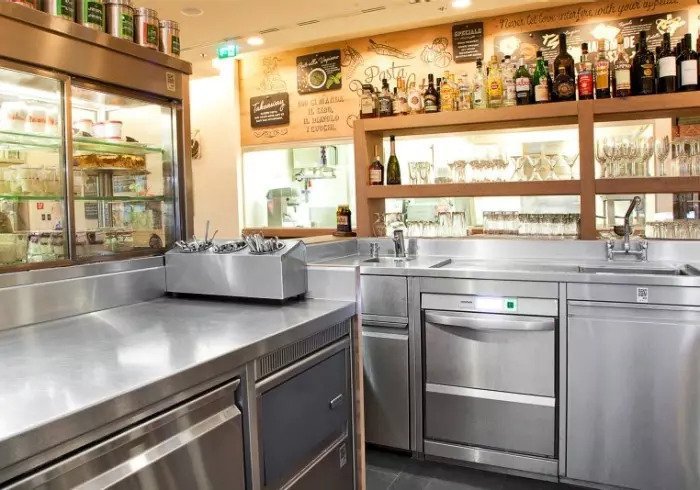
<point x="109" y="130"/>
<point x="119" y="18"/>
<point x="57" y="245"/>
<point x="169" y="40"/>
<point x="146" y="27"/>
<point x="13" y="116"/>
<point x="52" y="121"/>
<point x="90" y="13"/>
<point x="59" y="8"/>
<point x="85" y="126"/>
<point x="36" y="120"/>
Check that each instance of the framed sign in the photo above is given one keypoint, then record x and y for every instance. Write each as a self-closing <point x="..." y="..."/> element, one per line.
<point x="269" y="110"/>
<point x="468" y="42"/>
<point x="319" y="72"/>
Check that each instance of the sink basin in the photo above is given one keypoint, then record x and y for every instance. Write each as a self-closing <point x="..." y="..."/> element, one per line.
<point x="650" y="271"/>
<point x="389" y="260"/>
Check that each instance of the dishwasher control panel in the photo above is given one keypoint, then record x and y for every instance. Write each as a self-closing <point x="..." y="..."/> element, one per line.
<point x="491" y="304"/>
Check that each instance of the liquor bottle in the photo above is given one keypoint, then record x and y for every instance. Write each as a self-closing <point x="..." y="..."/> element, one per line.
<point x="368" y="106"/>
<point x="495" y="83"/>
<point x="479" y="99"/>
<point x="395" y="110"/>
<point x="385" y="102"/>
<point x="509" y="92"/>
<point x="550" y="80"/>
<point x="564" y="58"/>
<point x="447" y="94"/>
<point x="415" y="99"/>
<point x="393" y="170"/>
<point x="667" y="67"/>
<point x="585" y="75"/>
<point x="438" y="87"/>
<point x="464" y="101"/>
<point x="541" y="81"/>
<point x="376" y="169"/>
<point x="689" y="65"/>
<point x="403" y="97"/>
<point x="622" y="69"/>
<point x="602" y="72"/>
<point x="564" y="86"/>
<point x="430" y="98"/>
<point x="523" y="85"/>
<point x="644" y="68"/>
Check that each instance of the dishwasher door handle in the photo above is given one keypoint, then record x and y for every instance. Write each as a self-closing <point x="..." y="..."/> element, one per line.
<point x="336" y="402"/>
<point x="494" y="322"/>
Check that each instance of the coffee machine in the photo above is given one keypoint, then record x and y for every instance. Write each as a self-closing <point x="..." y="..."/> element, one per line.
<point x="282" y="206"/>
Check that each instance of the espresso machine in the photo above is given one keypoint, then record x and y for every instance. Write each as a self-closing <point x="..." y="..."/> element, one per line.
<point x="282" y="206"/>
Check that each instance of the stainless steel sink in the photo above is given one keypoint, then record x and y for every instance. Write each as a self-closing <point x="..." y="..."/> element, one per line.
<point x="389" y="260"/>
<point x="640" y="269"/>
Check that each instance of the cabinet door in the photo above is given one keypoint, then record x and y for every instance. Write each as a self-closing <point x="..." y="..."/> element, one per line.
<point x="386" y="388"/>
<point x="633" y="417"/>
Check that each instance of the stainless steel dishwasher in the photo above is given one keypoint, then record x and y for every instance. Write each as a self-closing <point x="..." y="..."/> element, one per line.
<point x="490" y="395"/>
<point x="196" y="445"/>
<point x="634" y="399"/>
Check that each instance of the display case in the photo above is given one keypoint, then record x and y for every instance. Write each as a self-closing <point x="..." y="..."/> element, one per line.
<point x="92" y="160"/>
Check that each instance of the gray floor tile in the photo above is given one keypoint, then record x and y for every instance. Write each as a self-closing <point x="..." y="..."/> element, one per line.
<point x="379" y="480"/>
<point x="406" y="481"/>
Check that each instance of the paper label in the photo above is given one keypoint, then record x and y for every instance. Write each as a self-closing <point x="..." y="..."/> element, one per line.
<point x="667" y="67"/>
<point x="689" y="72"/>
<point x="642" y="295"/>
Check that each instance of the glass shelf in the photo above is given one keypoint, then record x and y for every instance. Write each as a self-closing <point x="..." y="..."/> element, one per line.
<point x="19" y="197"/>
<point x="85" y="144"/>
<point x="16" y="140"/>
<point x="122" y="198"/>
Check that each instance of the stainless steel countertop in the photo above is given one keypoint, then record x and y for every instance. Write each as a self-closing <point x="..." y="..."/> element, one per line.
<point x="514" y="270"/>
<point x="62" y="379"/>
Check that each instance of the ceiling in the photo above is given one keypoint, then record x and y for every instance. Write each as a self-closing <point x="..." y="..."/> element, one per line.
<point x="288" y="23"/>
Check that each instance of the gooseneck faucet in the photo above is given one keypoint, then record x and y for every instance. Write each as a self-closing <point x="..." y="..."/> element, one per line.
<point x="399" y="244"/>
<point x="627" y="226"/>
<point x="626" y="231"/>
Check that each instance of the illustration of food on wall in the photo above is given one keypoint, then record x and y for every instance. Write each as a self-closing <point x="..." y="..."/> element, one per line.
<point x="319" y="72"/>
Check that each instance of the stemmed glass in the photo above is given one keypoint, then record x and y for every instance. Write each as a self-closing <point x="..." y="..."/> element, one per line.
<point x="602" y="160"/>
<point x="553" y="161"/>
<point x="612" y="154"/>
<point x="518" y="163"/>
<point x="424" y="171"/>
<point x="683" y="159"/>
<point x="413" y="172"/>
<point x="663" y="148"/>
<point x="571" y="163"/>
<point x="534" y="162"/>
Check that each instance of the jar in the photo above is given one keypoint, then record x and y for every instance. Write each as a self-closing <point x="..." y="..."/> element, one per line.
<point x="60" y="8"/>
<point x="111" y="130"/>
<point x="119" y="18"/>
<point x="13" y="115"/>
<point x="344" y="219"/>
<point x="169" y="37"/>
<point x="146" y="27"/>
<point x="91" y="13"/>
<point x="85" y="126"/>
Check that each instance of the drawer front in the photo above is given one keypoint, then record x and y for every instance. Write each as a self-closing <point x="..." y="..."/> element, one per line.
<point x="301" y="416"/>
<point x="514" y="423"/>
<point x="334" y="470"/>
<point x="385" y="296"/>
<point x="386" y="389"/>
<point x="499" y="358"/>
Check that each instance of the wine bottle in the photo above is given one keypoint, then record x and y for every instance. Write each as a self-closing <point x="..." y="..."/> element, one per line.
<point x="376" y="169"/>
<point x="646" y="68"/>
<point x="564" y="58"/>
<point x="688" y="65"/>
<point x="523" y="85"/>
<point x="541" y="81"/>
<point x="393" y="170"/>
<point x="564" y="86"/>
<point x="667" y="67"/>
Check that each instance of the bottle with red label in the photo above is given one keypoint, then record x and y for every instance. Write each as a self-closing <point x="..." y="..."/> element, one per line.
<point x="585" y="75"/>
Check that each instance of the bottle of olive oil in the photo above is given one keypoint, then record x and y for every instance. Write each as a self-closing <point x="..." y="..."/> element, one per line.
<point x="393" y="170"/>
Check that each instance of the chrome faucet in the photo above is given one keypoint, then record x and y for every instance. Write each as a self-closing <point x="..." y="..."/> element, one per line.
<point x="399" y="244"/>
<point x="626" y="231"/>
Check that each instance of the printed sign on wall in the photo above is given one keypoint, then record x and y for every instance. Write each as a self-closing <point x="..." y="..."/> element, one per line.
<point x="269" y="110"/>
<point x="468" y="42"/>
<point x="319" y="72"/>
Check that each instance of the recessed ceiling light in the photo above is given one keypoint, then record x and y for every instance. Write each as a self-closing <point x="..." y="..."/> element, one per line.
<point x="255" y="41"/>
<point x="191" y="12"/>
<point x="461" y="4"/>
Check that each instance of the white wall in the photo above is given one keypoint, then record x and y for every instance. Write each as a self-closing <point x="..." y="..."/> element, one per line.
<point x="215" y="113"/>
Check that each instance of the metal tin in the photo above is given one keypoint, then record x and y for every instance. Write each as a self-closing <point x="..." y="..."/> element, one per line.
<point x="146" y="27"/>
<point x="119" y="18"/>
<point x="59" y="8"/>
<point x="90" y="13"/>
<point x="169" y="37"/>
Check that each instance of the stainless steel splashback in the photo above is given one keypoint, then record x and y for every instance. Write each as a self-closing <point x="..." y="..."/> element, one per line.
<point x="277" y="276"/>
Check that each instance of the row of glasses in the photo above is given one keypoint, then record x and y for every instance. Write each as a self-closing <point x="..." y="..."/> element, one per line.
<point x="449" y="224"/>
<point x="544" y="167"/>
<point x="501" y="222"/>
<point x="686" y="153"/>
<point x="488" y="170"/>
<point x="512" y="223"/>
<point x="624" y="156"/>
<point x="419" y="172"/>
<point x="680" y="229"/>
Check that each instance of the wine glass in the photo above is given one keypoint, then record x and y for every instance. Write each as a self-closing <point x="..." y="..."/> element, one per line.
<point x="602" y="160"/>
<point x="413" y="172"/>
<point x="663" y="148"/>
<point x="518" y="163"/>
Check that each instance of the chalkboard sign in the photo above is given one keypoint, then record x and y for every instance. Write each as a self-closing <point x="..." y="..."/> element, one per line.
<point x="319" y="72"/>
<point x="269" y="110"/>
<point x="468" y="42"/>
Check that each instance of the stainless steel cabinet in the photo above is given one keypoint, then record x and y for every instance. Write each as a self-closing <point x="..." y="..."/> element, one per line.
<point x="385" y="297"/>
<point x="633" y="417"/>
<point x="385" y="354"/>
<point x="197" y="445"/>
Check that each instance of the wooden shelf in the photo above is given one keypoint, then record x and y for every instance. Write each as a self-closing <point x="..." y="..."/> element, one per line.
<point x="559" y="113"/>
<point x="543" y="188"/>
<point x="647" y="106"/>
<point x="647" y="185"/>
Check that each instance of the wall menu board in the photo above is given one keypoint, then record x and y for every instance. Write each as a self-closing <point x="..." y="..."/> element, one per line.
<point x="468" y="42"/>
<point x="269" y="110"/>
<point x="319" y="72"/>
<point x="526" y="44"/>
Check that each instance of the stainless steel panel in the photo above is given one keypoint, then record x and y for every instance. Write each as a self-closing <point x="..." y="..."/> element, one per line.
<point x="496" y="420"/>
<point x="490" y="304"/>
<point x="25" y="305"/>
<point x="482" y="287"/>
<point x="415" y="350"/>
<point x="489" y="457"/>
<point x="503" y="360"/>
<point x="384" y="296"/>
<point x="280" y="275"/>
<point x="562" y="378"/>
<point x="491" y="322"/>
<point x="633" y="417"/>
<point x="385" y="363"/>
<point x="332" y="470"/>
<point x="318" y="252"/>
<point x="197" y="445"/>
<point x="341" y="283"/>
<point x="627" y="293"/>
<point x="384" y="324"/>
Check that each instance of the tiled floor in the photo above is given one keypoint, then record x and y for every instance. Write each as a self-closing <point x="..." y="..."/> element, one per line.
<point x="389" y="471"/>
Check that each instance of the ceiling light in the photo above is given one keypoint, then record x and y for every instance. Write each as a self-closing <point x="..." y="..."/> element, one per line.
<point x="191" y="12"/>
<point x="461" y="4"/>
<point x="255" y="41"/>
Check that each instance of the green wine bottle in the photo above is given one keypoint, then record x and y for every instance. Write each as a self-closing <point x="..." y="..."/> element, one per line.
<point x="393" y="170"/>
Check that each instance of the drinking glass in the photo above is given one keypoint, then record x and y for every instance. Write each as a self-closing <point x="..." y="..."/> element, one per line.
<point x="518" y="163"/>
<point x="424" y="169"/>
<point x="413" y="172"/>
<point x="445" y="224"/>
<point x="488" y="222"/>
<point x="602" y="160"/>
<point x="430" y="229"/>
<point x="459" y="223"/>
